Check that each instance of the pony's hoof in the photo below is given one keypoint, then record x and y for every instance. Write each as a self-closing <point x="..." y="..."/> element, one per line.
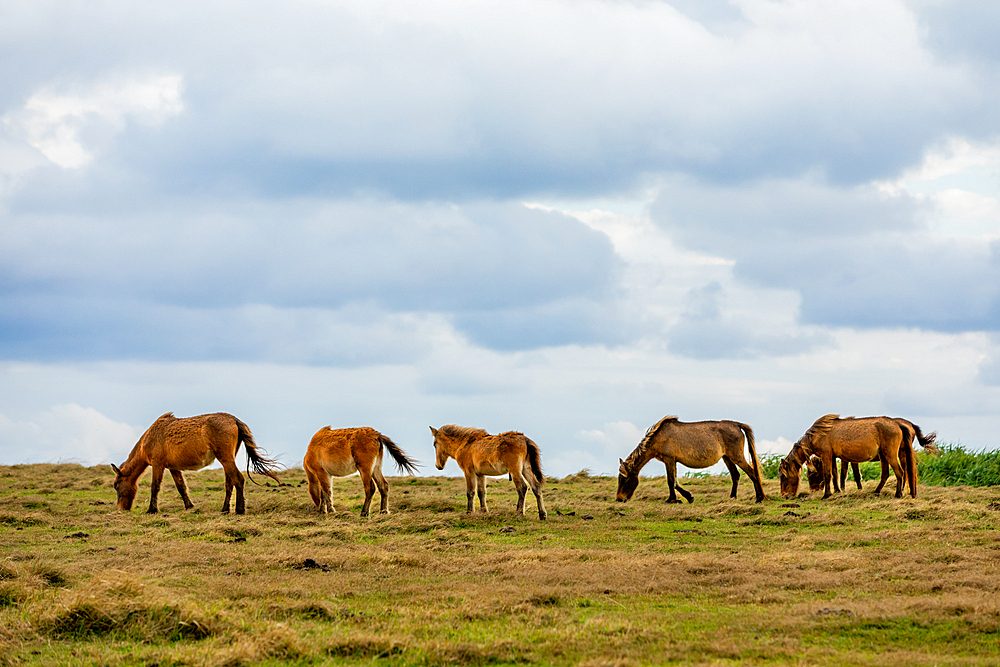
<point x="673" y="501"/>
<point x="542" y="516"/>
<point x="690" y="500"/>
<point x="152" y="511"/>
<point x="384" y="512"/>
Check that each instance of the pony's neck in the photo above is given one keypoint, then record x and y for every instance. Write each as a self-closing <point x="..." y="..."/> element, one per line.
<point x="798" y="455"/>
<point x="637" y="460"/>
<point x="136" y="462"/>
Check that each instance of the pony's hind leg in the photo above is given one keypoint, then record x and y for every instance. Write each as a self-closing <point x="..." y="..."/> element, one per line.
<point x="481" y="492"/>
<point x="383" y="490"/>
<point x="522" y="489"/>
<point x="369" y="484"/>
<point x="154" y="489"/>
<point x="751" y="473"/>
<point x="885" y="475"/>
<point x="536" y="488"/>
<point x="182" y="488"/>
<point x="734" y="473"/>
<point x="234" y="479"/>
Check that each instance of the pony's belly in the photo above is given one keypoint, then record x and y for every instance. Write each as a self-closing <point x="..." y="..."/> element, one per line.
<point x="341" y="468"/>
<point x="701" y="460"/>
<point x="493" y="470"/>
<point x="194" y="462"/>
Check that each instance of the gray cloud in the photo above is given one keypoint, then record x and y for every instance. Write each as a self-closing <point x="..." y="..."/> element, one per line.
<point x="416" y="102"/>
<point x="221" y="285"/>
<point x="705" y="331"/>
<point x="856" y="257"/>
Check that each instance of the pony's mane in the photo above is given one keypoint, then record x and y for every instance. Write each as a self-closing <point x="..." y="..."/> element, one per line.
<point x="647" y="439"/>
<point x="467" y="432"/>
<point x="820" y="427"/>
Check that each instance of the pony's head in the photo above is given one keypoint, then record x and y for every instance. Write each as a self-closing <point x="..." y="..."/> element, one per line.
<point x="627" y="482"/>
<point x="440" y="452"/>
<point x="814" y="473"/>
<point x="126" y="489"/>
<point x="788" y="476"/>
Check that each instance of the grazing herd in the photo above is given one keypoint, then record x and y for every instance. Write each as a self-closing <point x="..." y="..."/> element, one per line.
<point x="191" y="444"/>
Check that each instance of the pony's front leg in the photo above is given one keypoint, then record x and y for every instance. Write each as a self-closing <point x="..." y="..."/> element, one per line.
<point x="828" y="473"/>
<point x="481" y="490"/>
<point x="154" y="488"/>
<point x="671" y="480"/>
<point x="470" y="490"/>
<point x="182" y="488"/>
<point x="326" y="494"/>
<point x="369" y="484"/>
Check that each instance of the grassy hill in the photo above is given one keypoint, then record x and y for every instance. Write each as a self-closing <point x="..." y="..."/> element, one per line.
<point x="855" y="580"/>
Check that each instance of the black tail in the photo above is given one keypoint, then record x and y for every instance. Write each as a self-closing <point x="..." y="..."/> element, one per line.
<point x="261" y="464"/>
<point x="403" y="462"/>
<point x="535" y="460"/>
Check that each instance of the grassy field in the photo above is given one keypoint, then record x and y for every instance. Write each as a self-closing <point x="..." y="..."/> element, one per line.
<point x="855" y="580"/>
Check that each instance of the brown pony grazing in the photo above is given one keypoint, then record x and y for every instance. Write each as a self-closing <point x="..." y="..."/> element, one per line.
<point x="911" y="433"/>
<point x="343" y="452"/>
<point x="190" y="444"/>
<point x="853" y="440"/>
<point x="695" y="445"/>
<point x="480" y="454"/>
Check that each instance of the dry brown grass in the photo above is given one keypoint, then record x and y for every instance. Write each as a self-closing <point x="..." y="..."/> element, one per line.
<point x="849" y="581"/>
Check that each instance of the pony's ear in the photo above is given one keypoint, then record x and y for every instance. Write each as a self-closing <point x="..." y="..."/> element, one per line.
<point x="621" y="461"/>
<point x="115" y="468"/>
<point x="434" y="431"/>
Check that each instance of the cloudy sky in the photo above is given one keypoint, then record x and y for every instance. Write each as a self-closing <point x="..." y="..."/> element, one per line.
<point x="564" y="217"/>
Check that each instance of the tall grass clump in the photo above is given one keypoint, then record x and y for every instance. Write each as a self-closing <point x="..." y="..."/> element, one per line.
<point x="953" y="465"/>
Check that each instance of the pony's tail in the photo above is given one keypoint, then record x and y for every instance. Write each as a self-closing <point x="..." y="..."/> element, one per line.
<point x="535" y="460"/>
<point x="748" y="432"/>
<point x="927" y="442"/>
<point x="261" y="464"/>
<point x="403" y="462"/>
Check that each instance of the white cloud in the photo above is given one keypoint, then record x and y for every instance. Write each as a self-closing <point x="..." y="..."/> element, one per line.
<point x="55" y="123"/>
<point x="65" y="433"/>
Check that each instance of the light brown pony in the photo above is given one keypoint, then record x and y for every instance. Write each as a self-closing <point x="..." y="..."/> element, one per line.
<point x="911" y="433"/>
<point x="190" y="444"/>
<point x="480" y="454"/>
<point x="853" y="440"/>
<point x="695" y="445"/>
<point x="344" y="451"/>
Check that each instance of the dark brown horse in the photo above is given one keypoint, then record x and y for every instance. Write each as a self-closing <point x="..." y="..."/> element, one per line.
<point x="695" y="445"/>
<point x="343" y="452"/>
<point x="190" y="444"/>
<point x="853" y="440"/>
<point x="480" y="454"/>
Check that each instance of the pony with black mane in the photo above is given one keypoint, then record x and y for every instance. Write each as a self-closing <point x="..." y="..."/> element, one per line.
<point x="695" y="445"/>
